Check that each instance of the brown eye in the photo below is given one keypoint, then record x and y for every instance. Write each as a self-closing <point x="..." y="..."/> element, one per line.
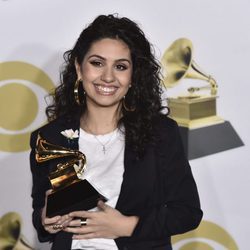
<point x="96" y="63"/>
<point x="121" y="67"/>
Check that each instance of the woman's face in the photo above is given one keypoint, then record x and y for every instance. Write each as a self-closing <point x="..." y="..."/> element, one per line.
<point x="106" y="72"/>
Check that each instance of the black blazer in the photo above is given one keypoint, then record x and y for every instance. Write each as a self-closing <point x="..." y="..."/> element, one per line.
<point x="159" y="188"/>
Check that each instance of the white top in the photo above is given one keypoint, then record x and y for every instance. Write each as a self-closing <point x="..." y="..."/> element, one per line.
<point x="105" y="173"/>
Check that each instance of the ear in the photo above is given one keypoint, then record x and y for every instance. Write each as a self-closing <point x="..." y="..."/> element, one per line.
<point x="78" y="70"/>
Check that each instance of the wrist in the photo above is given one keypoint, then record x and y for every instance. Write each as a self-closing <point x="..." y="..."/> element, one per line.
<point x="129" y="225"/>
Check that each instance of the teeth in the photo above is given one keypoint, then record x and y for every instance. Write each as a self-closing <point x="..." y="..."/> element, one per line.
<point x="106" y="89"/>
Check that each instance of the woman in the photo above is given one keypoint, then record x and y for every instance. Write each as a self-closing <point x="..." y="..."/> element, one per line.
<point x="110" y="93"/>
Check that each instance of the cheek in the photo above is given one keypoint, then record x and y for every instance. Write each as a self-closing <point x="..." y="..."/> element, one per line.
<point x="88" y="73"/>
<point x="126" y="79"/>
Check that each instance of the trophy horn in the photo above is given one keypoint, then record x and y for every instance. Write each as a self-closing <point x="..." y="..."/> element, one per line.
<point x="178" y="63"/>
<point x="46" y="151"/>
<point x="10" y="233"/>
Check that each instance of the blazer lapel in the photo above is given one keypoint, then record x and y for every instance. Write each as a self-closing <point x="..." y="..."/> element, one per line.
<point x="130" y="162"/>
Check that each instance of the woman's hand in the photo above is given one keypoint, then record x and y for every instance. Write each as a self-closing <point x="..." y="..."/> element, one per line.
<point x="106" y="223"/>
<point x="54" y="224"/>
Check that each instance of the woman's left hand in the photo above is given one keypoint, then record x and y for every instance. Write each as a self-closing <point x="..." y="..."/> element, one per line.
<point x="106" y="223"/>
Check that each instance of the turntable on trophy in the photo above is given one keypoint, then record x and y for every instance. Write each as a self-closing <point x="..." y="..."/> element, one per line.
<point x="70" y="191"/>
<point x="203" y="132"/>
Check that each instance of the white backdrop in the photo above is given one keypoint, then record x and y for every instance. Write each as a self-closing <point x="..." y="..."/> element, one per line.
<point x="38" y="32"/>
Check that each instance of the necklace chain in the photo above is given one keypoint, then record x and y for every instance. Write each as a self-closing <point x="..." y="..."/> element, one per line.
<point x="104" y="145"/>
<point x="104" y="149"/>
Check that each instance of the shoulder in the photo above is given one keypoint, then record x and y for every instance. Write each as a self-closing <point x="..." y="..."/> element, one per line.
<point x="52" y="130"/>
<point x="50" y="126"/>
<point x="169" y="143"/>
<point x="166" y="131"/>
<point x="163" y="122"/>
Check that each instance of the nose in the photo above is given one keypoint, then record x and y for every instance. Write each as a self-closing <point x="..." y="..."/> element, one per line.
<point x="108" y="75"/>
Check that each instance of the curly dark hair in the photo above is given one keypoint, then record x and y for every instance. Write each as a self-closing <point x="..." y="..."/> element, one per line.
<point x="144" y="95"/>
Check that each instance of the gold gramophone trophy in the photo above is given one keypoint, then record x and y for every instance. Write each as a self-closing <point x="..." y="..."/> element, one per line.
<point x="202" y="131"/>
<point x="70" y="192"/>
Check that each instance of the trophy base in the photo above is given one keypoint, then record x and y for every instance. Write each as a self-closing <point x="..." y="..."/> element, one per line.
<point x="209" y="140"/>
<point x="80" y="195"/>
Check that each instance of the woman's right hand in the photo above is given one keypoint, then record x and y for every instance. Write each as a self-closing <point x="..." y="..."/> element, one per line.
<point x="54" y="224"/>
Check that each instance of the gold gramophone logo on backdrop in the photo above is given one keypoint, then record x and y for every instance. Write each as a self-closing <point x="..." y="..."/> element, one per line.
<point x="208" y="236"/>
<point x="19" y="103"/>
<point x="203" y="131"/>
<point x="10" y="233"/>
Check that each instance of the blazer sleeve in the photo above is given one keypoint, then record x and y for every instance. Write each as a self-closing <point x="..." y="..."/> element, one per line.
<point x="179" y="209"/>
<point x="40" y="186"/>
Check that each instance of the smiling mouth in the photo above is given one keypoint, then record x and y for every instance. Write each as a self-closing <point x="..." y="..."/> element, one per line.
<point x="105" y="90"/>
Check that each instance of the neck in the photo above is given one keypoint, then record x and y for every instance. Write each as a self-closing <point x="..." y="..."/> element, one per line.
<point x="100" y="121"/>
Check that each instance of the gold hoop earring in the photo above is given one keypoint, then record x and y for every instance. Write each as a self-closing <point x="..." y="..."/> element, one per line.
<point x="132" y="109"/>
<point x="76" y="92"/>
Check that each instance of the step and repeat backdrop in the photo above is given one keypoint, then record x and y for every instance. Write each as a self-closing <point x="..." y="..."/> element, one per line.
<point x="207" y="41"/>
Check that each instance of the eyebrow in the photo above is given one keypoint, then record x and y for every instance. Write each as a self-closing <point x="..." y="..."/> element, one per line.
<point x="103" y="58"/>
